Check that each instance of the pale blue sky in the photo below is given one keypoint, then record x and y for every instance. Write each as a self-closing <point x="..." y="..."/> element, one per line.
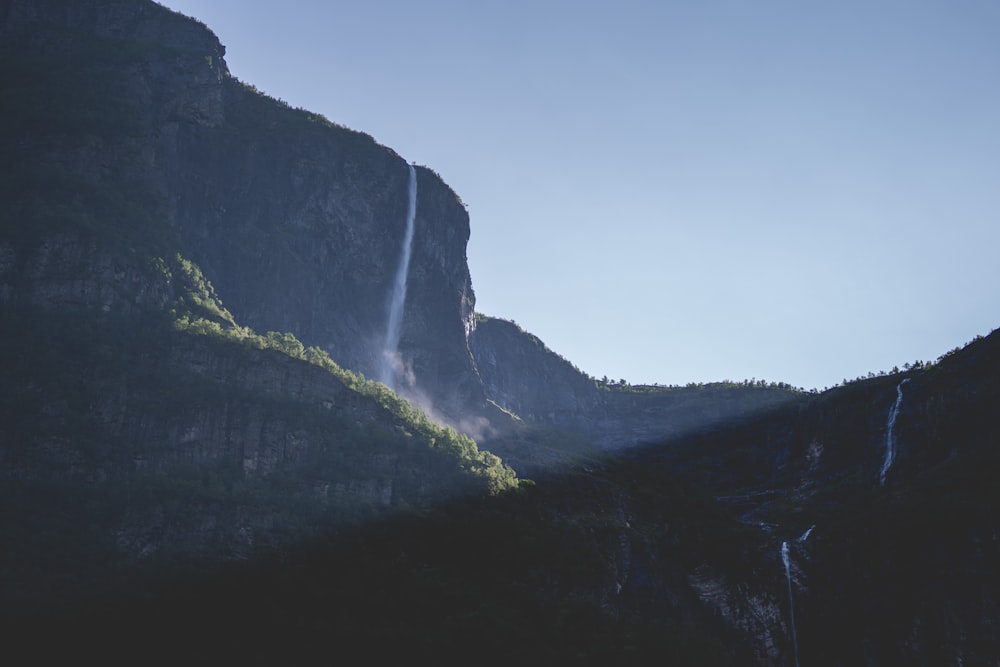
<point x="683" y="191"/>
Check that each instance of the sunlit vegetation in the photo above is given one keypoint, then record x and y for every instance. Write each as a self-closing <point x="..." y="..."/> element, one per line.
<point x="199" y="311"/>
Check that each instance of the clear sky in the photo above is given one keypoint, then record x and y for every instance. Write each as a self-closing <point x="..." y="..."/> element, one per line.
<point x="687" y="191"/>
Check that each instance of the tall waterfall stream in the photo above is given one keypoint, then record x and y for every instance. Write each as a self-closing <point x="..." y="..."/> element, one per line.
<point x="389" y="370"/>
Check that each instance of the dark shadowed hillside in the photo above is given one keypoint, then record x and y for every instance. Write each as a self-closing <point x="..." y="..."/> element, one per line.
<point x="900" y="573"/>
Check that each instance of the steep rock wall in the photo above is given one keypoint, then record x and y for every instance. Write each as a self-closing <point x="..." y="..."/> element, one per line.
<point x="296" y="221"/>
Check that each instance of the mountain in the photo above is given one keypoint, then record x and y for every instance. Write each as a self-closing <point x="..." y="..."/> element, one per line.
<point x="128" y="158"/>
<point x="296" y="221"/>
<point x="892" y="558"/>
<point x="196" y="452"/>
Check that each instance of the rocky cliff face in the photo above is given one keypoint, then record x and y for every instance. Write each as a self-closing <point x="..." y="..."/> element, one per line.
<point x="315" y="248"/>
<point x="297" y="222"/>
<point x="142" y="188"/>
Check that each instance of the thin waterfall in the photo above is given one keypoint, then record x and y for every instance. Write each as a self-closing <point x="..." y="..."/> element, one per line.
<point x="791" y="606"/>
<point x="394" y="326"/>
<point x="890" y="436"/>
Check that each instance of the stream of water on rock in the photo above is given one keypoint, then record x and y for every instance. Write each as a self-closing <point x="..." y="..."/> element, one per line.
<point x="389" y="370"/>
<point x="890" y="436"/>
<point x="791" y="606"/>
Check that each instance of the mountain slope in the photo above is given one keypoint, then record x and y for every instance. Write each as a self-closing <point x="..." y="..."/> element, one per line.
<point x="900" y="573"/>
<point x="161" y="434"/>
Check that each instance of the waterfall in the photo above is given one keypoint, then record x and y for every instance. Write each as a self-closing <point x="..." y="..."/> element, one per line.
<point x="805" y="535"/>
<point x="791" y="606"/>
<point x="394" y="325"/>
<point x="890" y="437"/>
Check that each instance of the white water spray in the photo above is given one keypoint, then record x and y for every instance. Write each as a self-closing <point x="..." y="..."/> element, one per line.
<point x="394" y="326"/>
<point x="805" y="535"/>
<point x="791" y="606"/>
<point x="890" y="436"/>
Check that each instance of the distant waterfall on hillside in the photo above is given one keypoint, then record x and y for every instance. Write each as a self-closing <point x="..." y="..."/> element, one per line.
<point x="390" y="352"/>
<point x="805" y="535"/>
<point x="890" y="436"/>
<point x="791" y="606"/>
